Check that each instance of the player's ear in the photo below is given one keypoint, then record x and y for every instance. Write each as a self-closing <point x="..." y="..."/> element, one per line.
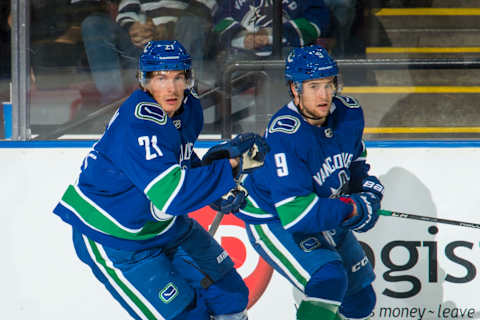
<point x="293" y="89"/>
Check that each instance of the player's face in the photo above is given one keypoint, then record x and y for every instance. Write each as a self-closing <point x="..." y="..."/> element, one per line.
<point x="167" y="88"/>
<point x="316" y="99"/>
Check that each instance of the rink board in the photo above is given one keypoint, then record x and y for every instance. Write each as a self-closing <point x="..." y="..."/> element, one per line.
<point x="424" y="271"/>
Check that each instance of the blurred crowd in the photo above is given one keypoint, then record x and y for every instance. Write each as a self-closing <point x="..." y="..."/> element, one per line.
<point x="105" y="37"/>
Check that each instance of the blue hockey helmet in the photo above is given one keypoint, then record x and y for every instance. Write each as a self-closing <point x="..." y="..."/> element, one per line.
<point x="308" y="63"/>
<point x="164" y="55"/>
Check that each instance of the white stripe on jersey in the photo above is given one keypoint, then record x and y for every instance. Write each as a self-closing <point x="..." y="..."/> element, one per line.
<point x="122" y="278"/>
<point x="279" y="246"/>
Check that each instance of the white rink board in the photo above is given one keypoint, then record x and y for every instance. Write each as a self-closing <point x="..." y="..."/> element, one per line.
<point x="42" y="278"/>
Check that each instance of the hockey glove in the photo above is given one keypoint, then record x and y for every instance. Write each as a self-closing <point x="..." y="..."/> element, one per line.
<point x="255" y="156"/>
<point x="373" y="185"/>
<point x="235" y="148"/>
<point x="367" y="212"/>
<point x="250" y="147"/>
<point x="233" y="201"/>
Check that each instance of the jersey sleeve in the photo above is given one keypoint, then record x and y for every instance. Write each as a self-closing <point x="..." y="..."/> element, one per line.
<point x="299" y="208"/>
<point x="359" y="168"/>
<point x="128" y="13"/>
<point x="354" y="120"/>
<point x="227" y="21"/>
<point x="150" y="158"/>
<point x="311" y="23"/>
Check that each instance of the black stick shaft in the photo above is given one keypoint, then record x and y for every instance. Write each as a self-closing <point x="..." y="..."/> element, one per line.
<point x="428" y="219"/>
<point x="215" y="223"/>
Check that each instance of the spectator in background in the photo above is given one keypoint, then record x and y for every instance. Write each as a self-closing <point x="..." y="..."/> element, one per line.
<point x="247" y="25"/>
<point x="111" y="56"/>
<point x="244" y="29"/>
<point x="55" y="36"/>
<point x="75" y="34"/>
<point x="188" y="21"/>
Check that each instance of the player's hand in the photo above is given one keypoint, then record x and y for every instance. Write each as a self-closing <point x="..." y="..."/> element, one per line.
<point x="365" y="214"/>
<point x="373" y="185"/>
<point x="249" y="41"/>
<point x="237" y="147"/>
<point x="233" y="201"/>
<point x="246" y="152"/>
<point x="256" y="40"/>
<point x="255" y="156"/>
<point x="141" y="33"/>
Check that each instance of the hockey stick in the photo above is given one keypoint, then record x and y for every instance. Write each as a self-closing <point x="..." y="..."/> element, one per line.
<point x="215" y="223"/>
<point x="428" y="219"/>
<point x="219" y="216"/>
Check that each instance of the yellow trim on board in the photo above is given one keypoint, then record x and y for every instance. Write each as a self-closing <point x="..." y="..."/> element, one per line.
<point x="428" y="12"/>
<point x="377" y="130"/>
<point x="423" y="50"/>
<point x="412" y="89"/>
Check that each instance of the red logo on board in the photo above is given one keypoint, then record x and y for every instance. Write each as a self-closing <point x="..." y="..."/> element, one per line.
<point x="232" y="236"/>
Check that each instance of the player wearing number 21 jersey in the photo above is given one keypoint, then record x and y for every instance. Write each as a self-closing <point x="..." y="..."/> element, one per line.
<point x="129" y="207"/>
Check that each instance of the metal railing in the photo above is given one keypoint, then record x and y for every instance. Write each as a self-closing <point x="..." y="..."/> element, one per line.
<point x="21" y="72"/>
<point x="375" y="64"/>
<point x="20" y="14"/>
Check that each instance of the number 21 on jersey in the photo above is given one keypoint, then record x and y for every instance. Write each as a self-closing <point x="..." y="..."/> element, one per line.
<point x="150" y="145"/>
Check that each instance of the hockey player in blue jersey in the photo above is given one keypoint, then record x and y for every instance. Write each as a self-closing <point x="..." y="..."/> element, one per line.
<point x="128" y="207"/>
<point x="313" y="191"/>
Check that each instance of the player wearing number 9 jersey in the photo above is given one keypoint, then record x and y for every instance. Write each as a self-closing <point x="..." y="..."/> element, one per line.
<point x="313" y="190"/>
<point x="129" y="207"/>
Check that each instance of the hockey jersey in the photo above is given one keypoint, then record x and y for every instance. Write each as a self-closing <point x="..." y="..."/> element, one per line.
<point x="142" y="176"/>
<point x="302" y="21"/>
<point x="159" y="11"/>
<point x="308" y="168"/>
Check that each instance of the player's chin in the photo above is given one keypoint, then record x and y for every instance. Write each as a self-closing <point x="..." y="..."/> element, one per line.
<point x="171" y="106"/>
<point x="323" y="109"/>
<point x="322" y="112"/>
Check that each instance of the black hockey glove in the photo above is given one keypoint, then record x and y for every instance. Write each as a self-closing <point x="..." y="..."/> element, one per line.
<point x="233" y="201"/>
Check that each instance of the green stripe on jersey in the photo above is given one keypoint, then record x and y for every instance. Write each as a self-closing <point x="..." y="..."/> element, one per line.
<point x="223" y="25"/>
<point x="252" y="210"/>
<point x="292" y="211"/>
<point x="312" y="310"/>
<point x="97" y="218"/>
<point x="163" y="189"/>
<point x="280" y="257"/>
<point x="308" y="31"/>
<point x="122" y="285"/>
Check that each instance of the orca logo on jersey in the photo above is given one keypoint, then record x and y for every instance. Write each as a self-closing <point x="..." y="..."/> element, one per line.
<point x="232" y="236"/>
<point x="151" y="111"/>
<point x="349" y="101"/>
<point x="168" y="293"/>
<point x="285" y="124"/>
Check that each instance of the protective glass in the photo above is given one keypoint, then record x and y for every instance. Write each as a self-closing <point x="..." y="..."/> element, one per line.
<point x="328" y="87"/>
<point x="165" y="79"/>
